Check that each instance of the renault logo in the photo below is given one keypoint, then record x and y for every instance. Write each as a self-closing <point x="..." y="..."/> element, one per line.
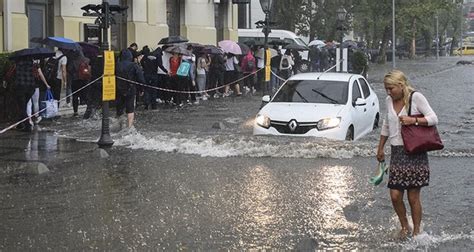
<point x="292" y="125"/>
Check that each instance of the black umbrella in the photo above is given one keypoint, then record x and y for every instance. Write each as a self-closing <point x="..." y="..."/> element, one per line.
<point x="172" y="40"/>
<point x="349" y="44"/>
<point x="245" y="48"/>
<point x="179" y="50"/>
<point x="61" y="42"/>
<point x="34" y="53"/>
<point x="89" y="50"/>
<point x="212" y="49"/>
<point x="296" y="47"/>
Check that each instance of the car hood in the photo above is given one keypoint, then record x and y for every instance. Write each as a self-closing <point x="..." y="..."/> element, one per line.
<point x="301" y="112"/>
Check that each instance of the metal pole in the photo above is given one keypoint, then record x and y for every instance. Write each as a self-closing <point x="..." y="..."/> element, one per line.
<point x="437" y="38"/>
<point x="394" y="65"/>
<point x="265" y="47"/>
<point x="462" y="21"/>
<point x="341" y="59"/>
<point x="105" y="139"/>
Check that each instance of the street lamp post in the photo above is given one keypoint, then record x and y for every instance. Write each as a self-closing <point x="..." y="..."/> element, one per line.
<point x="462" y="21"/>
<point x="105" y="140"/>
<point x="266" y="8"/>
<point x="341" y="14"/>
<point x="393" y="35"/>
<point x="437" y="37"/>
<point x="104" y="13"/>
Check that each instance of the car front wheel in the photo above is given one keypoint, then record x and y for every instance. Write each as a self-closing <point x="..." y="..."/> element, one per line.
<point x="376" y="122"/>
<point x="350" y="134"/>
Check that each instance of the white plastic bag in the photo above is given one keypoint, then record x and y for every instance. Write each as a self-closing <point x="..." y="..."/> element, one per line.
<point x="51" y="105"/>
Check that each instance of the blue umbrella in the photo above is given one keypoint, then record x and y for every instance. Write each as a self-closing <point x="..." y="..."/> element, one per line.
<point x="34" y="53"/>
<point x="61" y="42"/>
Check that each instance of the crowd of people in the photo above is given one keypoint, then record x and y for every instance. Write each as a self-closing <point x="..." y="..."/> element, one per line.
<point x="174" y="75"/>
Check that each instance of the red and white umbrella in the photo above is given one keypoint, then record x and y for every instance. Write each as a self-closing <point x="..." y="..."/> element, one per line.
<point x="230" y="46"/>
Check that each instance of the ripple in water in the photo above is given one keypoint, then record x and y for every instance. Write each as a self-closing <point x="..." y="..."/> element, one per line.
<point x="256" y="146"/>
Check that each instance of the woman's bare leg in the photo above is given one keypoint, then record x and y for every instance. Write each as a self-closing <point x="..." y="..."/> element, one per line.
<point x="399" y="206"/>
<point x="416" y="209"/>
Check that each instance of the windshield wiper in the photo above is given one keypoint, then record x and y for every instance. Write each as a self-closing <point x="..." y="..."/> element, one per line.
<point x="304" y="99"/>
<point x="325" y="96"/>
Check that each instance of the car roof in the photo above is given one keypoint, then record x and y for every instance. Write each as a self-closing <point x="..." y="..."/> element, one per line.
<point x="324" y="76"/>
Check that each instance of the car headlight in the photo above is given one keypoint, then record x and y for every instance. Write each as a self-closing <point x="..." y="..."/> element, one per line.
<point x="263" y="121"/>
<point x="328" y="123"/>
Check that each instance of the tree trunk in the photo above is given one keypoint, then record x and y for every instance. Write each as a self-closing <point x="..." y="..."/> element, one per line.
<point x="383" y="48"/>
<point x="413" y="39"/>
<point x="375" y="42"/>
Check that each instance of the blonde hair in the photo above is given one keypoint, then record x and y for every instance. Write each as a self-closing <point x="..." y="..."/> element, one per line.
<point x="398" y="78"/>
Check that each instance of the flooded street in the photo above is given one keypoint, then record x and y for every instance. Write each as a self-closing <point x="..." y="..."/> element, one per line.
<point x="176" y="182"/>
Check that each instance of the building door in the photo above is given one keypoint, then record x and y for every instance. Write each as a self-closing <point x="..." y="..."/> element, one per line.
<point x="220" y="15"/>
<point x="118" y="31"/>
<point x="173" y="10"/>
<point x="36" y="23"/>
<point x="40" y="19"/>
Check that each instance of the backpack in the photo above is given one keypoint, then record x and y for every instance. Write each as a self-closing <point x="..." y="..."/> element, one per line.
<point x="284" y="63"/>
<point x="50" y="70"/>
<point x="183" y="69"/>
<point x="250" y="63"/>
<point x="84" y="70"/>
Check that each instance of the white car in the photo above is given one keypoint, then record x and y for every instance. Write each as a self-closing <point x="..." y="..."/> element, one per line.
<point x="339" y="106"/>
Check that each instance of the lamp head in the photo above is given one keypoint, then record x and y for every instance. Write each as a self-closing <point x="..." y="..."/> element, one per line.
<point x="266" y="6"/>
<point x="341" y="14"/>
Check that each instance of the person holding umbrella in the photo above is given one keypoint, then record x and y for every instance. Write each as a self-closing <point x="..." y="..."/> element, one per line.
<point x="25" y="80"/>
<point x="58" y="75"/>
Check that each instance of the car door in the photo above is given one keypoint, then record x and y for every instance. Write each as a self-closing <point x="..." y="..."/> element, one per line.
<point x="358" y="111"/>
<point x="371" y="103"/>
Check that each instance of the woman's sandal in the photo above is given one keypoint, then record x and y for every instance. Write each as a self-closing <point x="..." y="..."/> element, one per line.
<point x="377" y="179"/>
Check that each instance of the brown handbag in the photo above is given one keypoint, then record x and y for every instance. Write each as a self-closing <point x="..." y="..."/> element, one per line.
<point x="417" y="139"/>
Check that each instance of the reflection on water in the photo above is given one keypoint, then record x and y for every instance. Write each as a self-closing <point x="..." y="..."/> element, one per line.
<point x="259" y="204"/>
<point x="336" y="183"/>
<point x="41" y="146"/>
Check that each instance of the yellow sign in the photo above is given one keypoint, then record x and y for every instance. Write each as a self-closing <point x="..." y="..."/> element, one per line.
<point x="109" y="63"/>
<point x="108" y="88"/>
<point x="269" y="57"/>
<point x="267" y="73"/>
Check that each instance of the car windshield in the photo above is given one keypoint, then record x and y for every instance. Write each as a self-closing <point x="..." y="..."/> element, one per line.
<point x="301" y="42"/>
<point x="313" y="91"/>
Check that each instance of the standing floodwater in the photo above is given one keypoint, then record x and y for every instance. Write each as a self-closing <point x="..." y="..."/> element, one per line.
<point x="175" y="182"/>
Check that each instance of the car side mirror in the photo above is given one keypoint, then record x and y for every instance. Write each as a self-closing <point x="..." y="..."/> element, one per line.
<point x="359" y="102"/>
<point x="266" y="99"/>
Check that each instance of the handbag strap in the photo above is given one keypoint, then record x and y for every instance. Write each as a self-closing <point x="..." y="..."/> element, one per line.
<point x="409" y="103"/>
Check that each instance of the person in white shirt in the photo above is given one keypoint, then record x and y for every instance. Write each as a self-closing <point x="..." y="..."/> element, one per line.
<point x="61" y="75"/>
<point x="407" y="172"/>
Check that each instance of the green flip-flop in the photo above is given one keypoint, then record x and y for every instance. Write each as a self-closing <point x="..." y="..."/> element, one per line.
<point x="377" y="179"/>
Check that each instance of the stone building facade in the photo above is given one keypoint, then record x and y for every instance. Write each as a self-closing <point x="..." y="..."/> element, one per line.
<point x="146" y="21"/>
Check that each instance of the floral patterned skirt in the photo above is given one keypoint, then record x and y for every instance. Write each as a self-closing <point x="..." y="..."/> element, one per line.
<point x="408" y="171"/>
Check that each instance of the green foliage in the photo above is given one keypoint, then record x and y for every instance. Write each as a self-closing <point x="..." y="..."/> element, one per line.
<point x="4" y="64"/>
<point x="360" y="64"/>
<point x="371" y="19"/>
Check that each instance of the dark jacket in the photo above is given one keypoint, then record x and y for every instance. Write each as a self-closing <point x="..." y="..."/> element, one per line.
<point x="158" y="53"/>
<point x="129" y="70"/>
